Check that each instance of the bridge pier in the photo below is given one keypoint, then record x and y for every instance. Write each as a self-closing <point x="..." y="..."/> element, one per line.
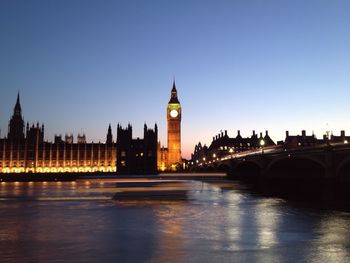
<point x="330" y="170"/>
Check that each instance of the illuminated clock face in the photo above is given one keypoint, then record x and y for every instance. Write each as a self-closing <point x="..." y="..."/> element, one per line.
<point x="174" y="113"/>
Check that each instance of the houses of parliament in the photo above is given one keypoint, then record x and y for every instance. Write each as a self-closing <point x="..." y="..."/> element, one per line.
<point x="25" y="149"/>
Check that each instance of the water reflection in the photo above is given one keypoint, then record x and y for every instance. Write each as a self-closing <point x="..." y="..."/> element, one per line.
<point x="170" y="233"/>
<point x="218" y="222"/>
<point x="267" y="219"/>
<point x="332" y="244"/>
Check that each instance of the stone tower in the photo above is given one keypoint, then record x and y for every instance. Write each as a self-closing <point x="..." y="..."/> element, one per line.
<point x="16" y="124"/>
<point x="174" y="130"/>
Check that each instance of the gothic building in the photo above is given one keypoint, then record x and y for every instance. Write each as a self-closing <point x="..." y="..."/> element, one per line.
<point x="170" y="158"/>
<point x="222" y="145"/>
<point x="25" y="151"/>
<point x="137" y="156"/>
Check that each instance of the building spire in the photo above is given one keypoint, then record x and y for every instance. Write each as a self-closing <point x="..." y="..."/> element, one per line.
<point x="174" y="85"/>
<point x="109" y="138"/>
<point x="16" y="125"/>
<point x="173" y="98"/>
<point x="17" y="109"/>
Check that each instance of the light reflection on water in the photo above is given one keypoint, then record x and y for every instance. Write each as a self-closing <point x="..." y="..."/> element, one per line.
<point x="218" y="222"/>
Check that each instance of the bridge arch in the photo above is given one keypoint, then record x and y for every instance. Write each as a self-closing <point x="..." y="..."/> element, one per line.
<point x="224" y="168"/>
<point x="343" y="170"/>
<point x="248" y="168"/>
<point x="298" y="167"/>
<point x="210" y="168"/>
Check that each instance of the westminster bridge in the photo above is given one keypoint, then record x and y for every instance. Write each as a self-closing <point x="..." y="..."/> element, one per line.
<point x="328" y="161"/>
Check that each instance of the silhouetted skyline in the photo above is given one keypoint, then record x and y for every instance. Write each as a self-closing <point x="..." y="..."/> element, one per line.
<point x="240" y="65"/>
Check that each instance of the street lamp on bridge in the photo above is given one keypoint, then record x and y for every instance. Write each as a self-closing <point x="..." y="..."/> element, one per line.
<point x="262" y="144"/>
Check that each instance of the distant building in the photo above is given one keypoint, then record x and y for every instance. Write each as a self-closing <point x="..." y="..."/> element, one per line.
<point x="222" y="145"/>
<point x="137" y="156"/>
<point x="339" y="139"/>
<point x="304" y="140"/>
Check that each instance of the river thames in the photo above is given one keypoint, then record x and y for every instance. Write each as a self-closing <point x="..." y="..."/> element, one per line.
<point x="212" y="222"/>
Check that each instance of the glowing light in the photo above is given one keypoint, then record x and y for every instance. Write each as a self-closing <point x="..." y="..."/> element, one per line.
<point x="214" y="155"/>
<point x="174" y="113"/>
<point x="16" y="170"/>
<point x="346" y="141"/>
<point x="262" y="142"/>
<point x="162" y="167"/>
<point x="173" y="167"/>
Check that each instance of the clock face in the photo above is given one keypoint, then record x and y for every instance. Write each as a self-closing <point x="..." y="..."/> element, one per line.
<point x="174" y="113"/>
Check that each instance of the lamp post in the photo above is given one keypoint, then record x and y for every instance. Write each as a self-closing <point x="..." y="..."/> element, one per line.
<point x="262" y="144"/>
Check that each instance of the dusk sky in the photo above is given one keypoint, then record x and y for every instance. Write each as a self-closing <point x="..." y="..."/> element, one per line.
<point x="239" y="65"/>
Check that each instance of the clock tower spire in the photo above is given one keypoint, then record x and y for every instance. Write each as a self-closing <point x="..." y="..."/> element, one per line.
<point x="174" y="130"/>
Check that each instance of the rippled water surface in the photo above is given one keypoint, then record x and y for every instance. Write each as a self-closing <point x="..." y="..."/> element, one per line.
<point x="217" y="222"/>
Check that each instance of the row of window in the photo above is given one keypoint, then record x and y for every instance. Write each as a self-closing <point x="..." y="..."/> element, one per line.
<point x="53" y="163"/>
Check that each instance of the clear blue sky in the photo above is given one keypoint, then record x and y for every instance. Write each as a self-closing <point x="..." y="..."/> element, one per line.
<point x="80" y="65"/>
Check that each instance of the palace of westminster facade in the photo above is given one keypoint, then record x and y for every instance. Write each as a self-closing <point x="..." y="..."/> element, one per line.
<point x="25" y="150"/>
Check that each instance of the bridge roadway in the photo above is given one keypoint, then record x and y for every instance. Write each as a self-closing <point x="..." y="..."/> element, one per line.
<point x="327" y="161"/>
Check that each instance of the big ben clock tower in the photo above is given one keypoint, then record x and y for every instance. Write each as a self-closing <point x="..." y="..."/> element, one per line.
<point x="174" y="130"/>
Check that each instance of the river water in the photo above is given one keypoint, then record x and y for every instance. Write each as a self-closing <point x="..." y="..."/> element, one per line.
<point x="216" y="222"/>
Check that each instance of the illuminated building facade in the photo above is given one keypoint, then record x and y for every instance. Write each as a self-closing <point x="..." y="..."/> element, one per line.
<point x="170" y="158"/>
<point x="26" y="151"/>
